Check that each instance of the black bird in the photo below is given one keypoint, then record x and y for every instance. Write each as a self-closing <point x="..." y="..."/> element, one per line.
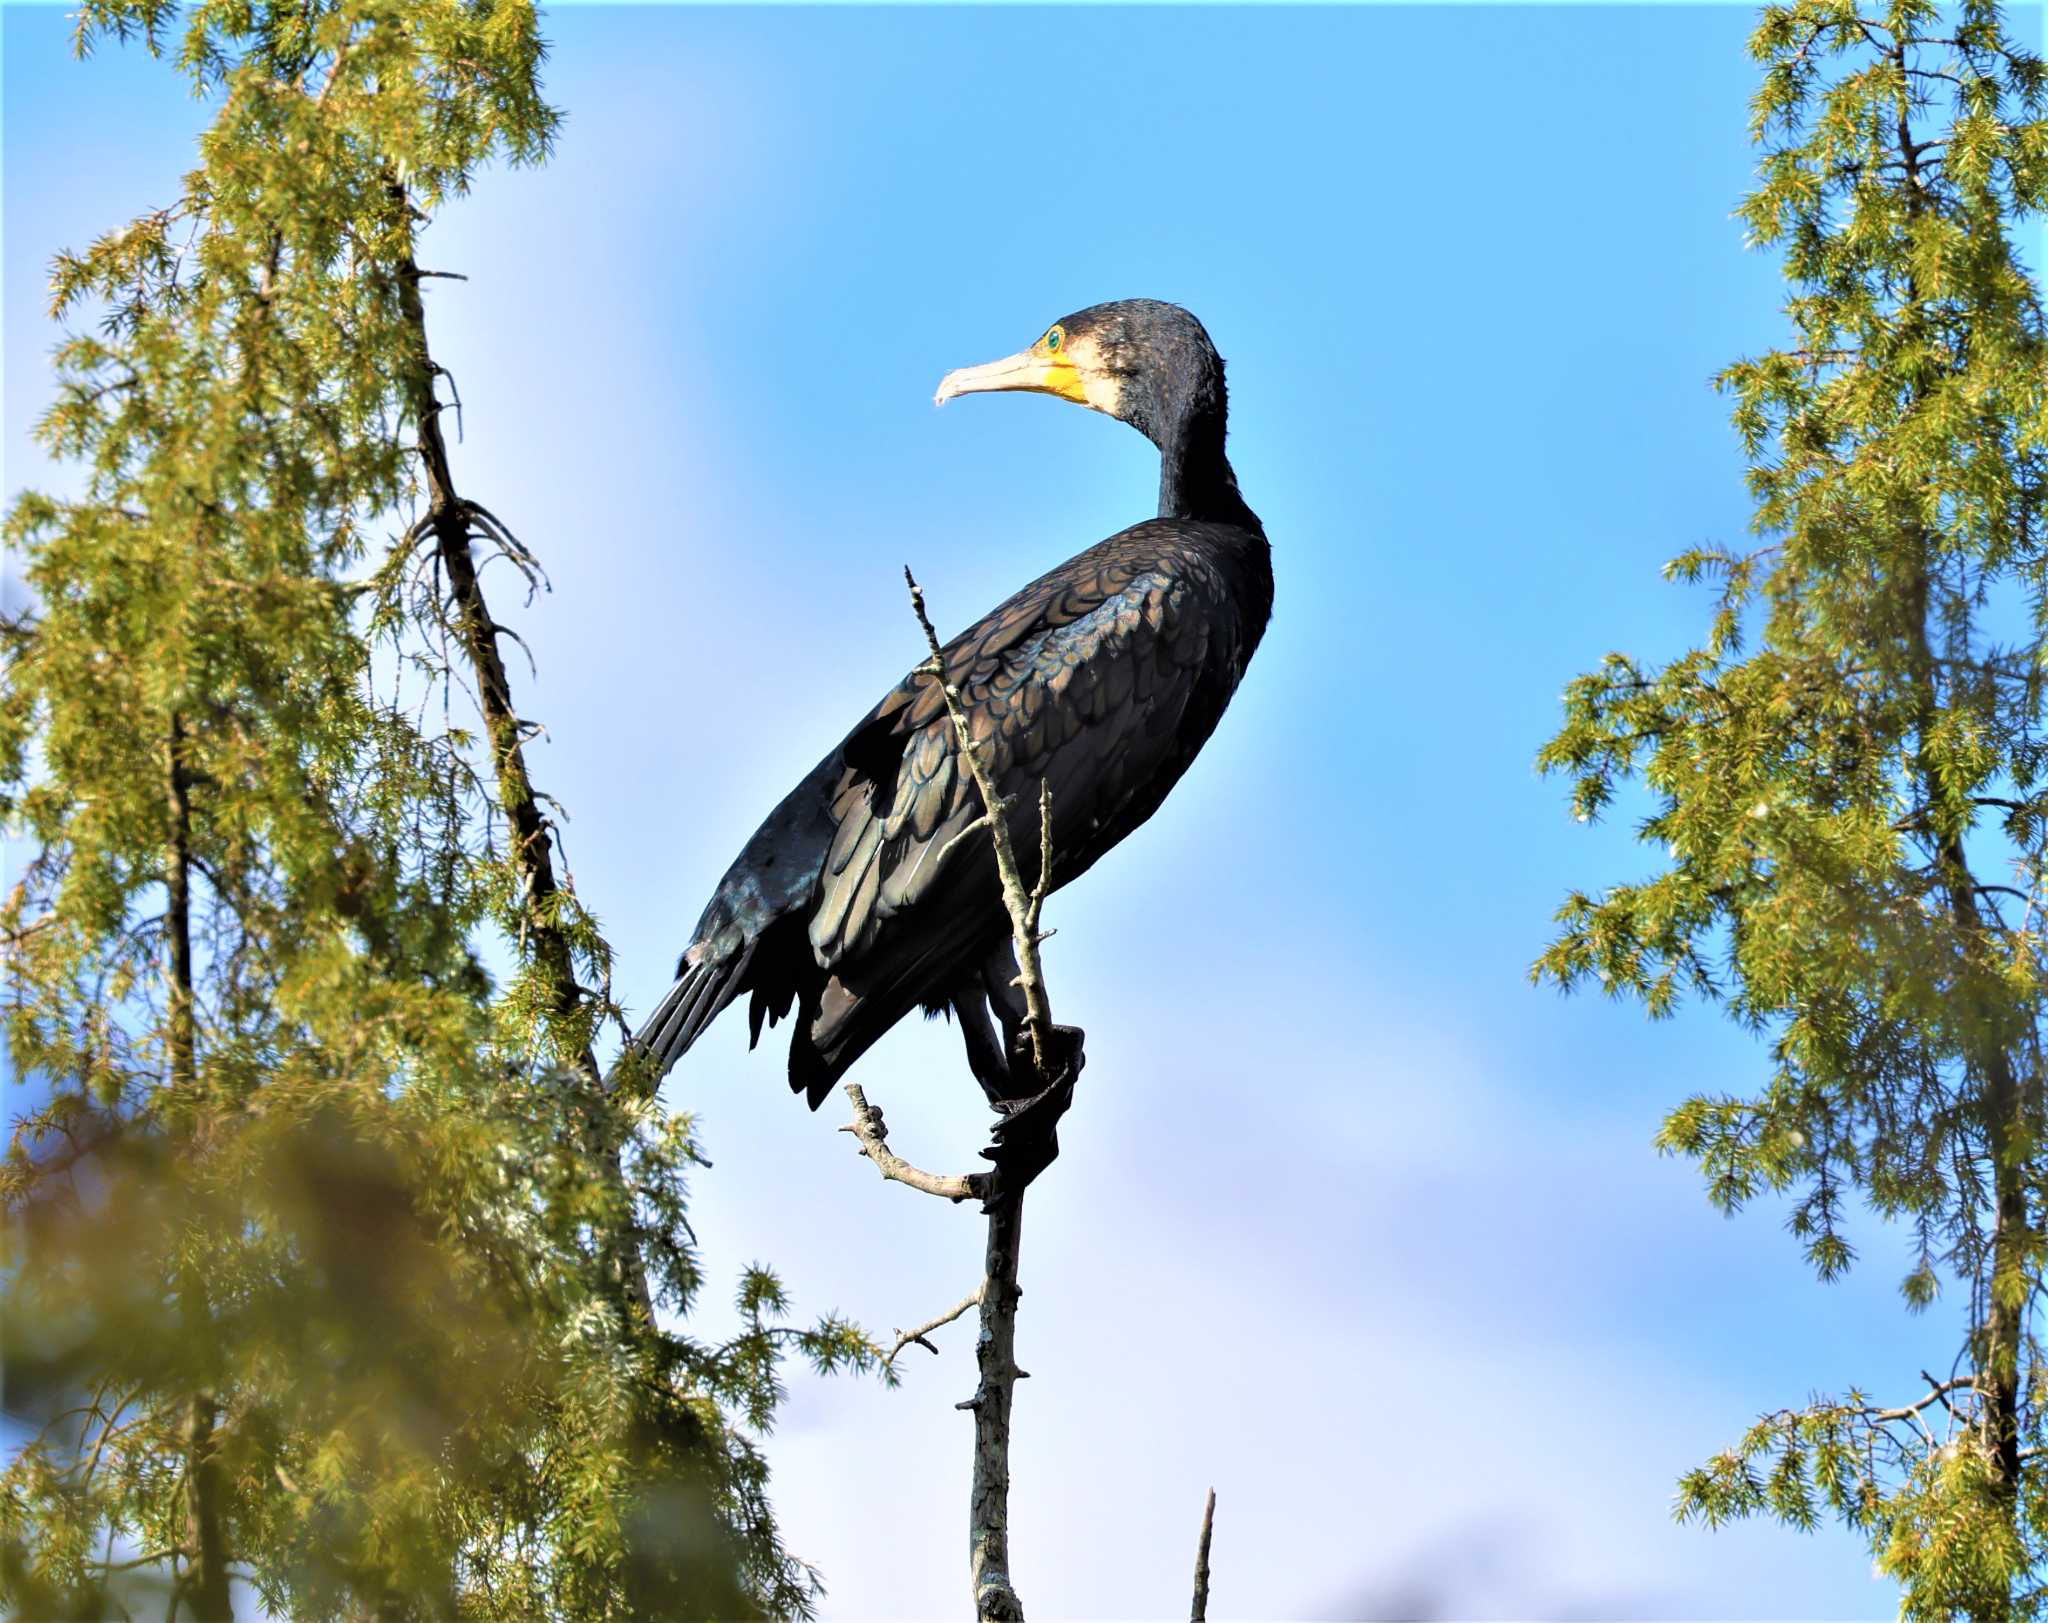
<point x="1103" y="677"/>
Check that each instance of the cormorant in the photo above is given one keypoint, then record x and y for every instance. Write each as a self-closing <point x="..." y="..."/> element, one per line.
<point x="1103" y="676"/>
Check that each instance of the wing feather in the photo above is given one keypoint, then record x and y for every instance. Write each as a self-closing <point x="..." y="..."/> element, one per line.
<point x="1085" y="679"/>
<point x="1084" y="686"/>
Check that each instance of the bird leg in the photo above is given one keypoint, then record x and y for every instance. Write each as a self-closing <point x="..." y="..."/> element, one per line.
<point x="1005" y="996"/>
<point x="1063" y="1043"/>
<point x="1030" y="1101"/>
<point x="985" y="1055"/>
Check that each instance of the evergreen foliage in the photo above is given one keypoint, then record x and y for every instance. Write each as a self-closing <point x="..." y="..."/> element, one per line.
<point x="336" y="1258"/>
<point x="1849" y="775"/>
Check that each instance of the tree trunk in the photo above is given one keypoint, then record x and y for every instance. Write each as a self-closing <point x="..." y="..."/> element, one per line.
<point x="449" y="521"/>
<point x="207" y="1584"/>
<point x="1990" y="1049"/>
<point x="2003" y="1118"/>
<point x="995" y="1599"/>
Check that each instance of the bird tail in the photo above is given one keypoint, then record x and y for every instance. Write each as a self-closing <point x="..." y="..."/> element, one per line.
<point x="701" y="991"/>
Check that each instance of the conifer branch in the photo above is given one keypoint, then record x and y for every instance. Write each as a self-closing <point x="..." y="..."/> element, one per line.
<point x="447" y="522"/>
<point x="1914" y="1051"/>
<point x="1938" y="1394"/>
<point x="326" y="1141"/>
<point x="661" y="1432"/>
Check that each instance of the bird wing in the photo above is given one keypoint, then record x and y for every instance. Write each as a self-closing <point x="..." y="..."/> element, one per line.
<point x="1081" y="680"/>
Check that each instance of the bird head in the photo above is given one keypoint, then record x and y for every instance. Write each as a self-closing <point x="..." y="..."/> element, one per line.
<point x="1141" y="361"/>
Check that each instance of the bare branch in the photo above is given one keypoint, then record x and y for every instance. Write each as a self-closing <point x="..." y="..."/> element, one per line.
<point x="995" y="1598"/>
<point x="1942" y="1391"/>
<point x="1938" y="1395"/>
<point x="1017" y="900"/>
<point x="1018" y="1158"/>
<point x="995" y="1349"/>
<point x="907" y="1338"/>
<point x="867" y="1126"/>
<point x="946" y="850"/>
<point x="1200" y="1611"/>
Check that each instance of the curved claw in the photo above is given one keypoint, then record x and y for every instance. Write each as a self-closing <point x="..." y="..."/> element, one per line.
<point x="1027" y="1136"/>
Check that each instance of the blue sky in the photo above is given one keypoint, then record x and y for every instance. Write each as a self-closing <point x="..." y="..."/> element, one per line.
<point x="1352" y="1222"/>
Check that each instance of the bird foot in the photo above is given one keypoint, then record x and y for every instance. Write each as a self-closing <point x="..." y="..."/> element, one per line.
<point x="1065" y="1055"/>
<point x="1026" y="1137"/>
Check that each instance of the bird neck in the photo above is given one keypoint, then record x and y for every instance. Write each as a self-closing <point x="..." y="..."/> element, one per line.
<point x="1195" y="477"/>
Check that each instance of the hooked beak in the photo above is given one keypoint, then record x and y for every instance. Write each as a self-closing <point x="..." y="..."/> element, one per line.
<point x="1028" y="369"/>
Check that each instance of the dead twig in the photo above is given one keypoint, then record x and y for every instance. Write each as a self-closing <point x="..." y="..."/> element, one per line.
<point x="867" y="1126"/>
<point x="1023" y="905"/>
<point x="910" y="1338"/>
<point x="1200" y="1612"/>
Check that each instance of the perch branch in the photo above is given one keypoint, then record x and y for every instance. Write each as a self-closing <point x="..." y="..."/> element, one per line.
<point x="995" y="1597"/>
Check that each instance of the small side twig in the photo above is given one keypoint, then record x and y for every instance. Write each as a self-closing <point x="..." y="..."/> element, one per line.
<point x="868" y="1127"/>
<point x="909" y="1338"/>
<point x="1942" y="1390"/>
<point x="1200" y="1612"/>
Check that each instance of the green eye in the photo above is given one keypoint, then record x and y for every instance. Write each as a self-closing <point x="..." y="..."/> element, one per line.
<point x="1052" y="339"/>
